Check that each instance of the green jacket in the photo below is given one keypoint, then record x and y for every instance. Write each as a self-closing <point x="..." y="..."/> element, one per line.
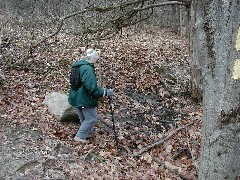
<point x="89" y="93"/>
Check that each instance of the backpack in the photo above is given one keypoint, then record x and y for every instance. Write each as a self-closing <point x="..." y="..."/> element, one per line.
<point x="75" y="80"/>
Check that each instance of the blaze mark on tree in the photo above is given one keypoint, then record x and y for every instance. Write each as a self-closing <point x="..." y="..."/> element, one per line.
<point x="236" y="69"/>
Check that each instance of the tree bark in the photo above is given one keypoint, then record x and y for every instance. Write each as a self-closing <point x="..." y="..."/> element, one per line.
<point x="195" y="63"/>
<point x="216" y="53"/>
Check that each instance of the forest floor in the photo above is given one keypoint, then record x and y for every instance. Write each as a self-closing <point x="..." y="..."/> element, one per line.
<point x="158" y="124"/>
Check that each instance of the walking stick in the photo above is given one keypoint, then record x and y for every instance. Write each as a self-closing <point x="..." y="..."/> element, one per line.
<point x="114" y="128"/>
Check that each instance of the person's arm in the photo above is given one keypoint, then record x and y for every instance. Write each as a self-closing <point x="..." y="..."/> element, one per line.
<point x="89" y="81"/>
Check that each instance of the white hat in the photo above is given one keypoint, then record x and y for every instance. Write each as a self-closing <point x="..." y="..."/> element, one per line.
<point x="92" y="54"/>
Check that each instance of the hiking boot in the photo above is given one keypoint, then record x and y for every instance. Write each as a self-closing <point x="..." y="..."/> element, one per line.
<point x="78" y="139"/>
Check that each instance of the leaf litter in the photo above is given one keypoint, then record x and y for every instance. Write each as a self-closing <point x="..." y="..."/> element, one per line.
<point x="149" y="71"/>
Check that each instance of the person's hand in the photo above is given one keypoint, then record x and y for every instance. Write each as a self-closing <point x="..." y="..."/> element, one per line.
<point x="109" y="92"/>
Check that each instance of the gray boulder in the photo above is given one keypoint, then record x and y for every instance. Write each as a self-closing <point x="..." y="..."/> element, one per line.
<point x="58" y="105"/>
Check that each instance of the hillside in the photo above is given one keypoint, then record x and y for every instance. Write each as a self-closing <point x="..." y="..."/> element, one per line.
<point x="148" y="68"/>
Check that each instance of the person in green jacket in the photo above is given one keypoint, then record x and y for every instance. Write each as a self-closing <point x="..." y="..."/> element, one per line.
<point x="85" y="99"/>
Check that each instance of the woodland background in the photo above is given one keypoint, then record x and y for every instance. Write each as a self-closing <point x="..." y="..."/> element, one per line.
<point x="145" y="58"/>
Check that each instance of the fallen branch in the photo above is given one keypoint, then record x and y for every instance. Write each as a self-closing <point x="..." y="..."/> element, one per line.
<point x="158" y="142"/>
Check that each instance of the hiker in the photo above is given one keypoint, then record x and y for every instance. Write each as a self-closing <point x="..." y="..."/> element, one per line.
<point x="85" y="98"/>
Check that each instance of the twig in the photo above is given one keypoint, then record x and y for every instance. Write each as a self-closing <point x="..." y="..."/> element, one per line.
<point x="192" y="155"/>
<point x="158" y="142"/>
<point x="90" y="151"/>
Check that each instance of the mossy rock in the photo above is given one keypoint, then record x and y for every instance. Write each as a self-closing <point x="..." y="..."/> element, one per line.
<point x="70" y="115"/>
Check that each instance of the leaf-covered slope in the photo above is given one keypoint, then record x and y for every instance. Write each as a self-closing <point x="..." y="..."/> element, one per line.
<point x="148" y="69"/>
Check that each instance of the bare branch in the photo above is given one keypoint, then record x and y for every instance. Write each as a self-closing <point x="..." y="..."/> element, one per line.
<point x="116" y="24"/>
<point x="59" y="27"/>
<point x="186" y="2"/>
<point x="158" y="5"/>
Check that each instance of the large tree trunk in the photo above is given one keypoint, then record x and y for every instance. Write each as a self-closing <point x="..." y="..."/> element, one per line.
<point x="216" y="47"/>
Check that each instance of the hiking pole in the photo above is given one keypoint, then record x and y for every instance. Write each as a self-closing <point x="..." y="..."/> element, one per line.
<point x="114" y="128"/>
